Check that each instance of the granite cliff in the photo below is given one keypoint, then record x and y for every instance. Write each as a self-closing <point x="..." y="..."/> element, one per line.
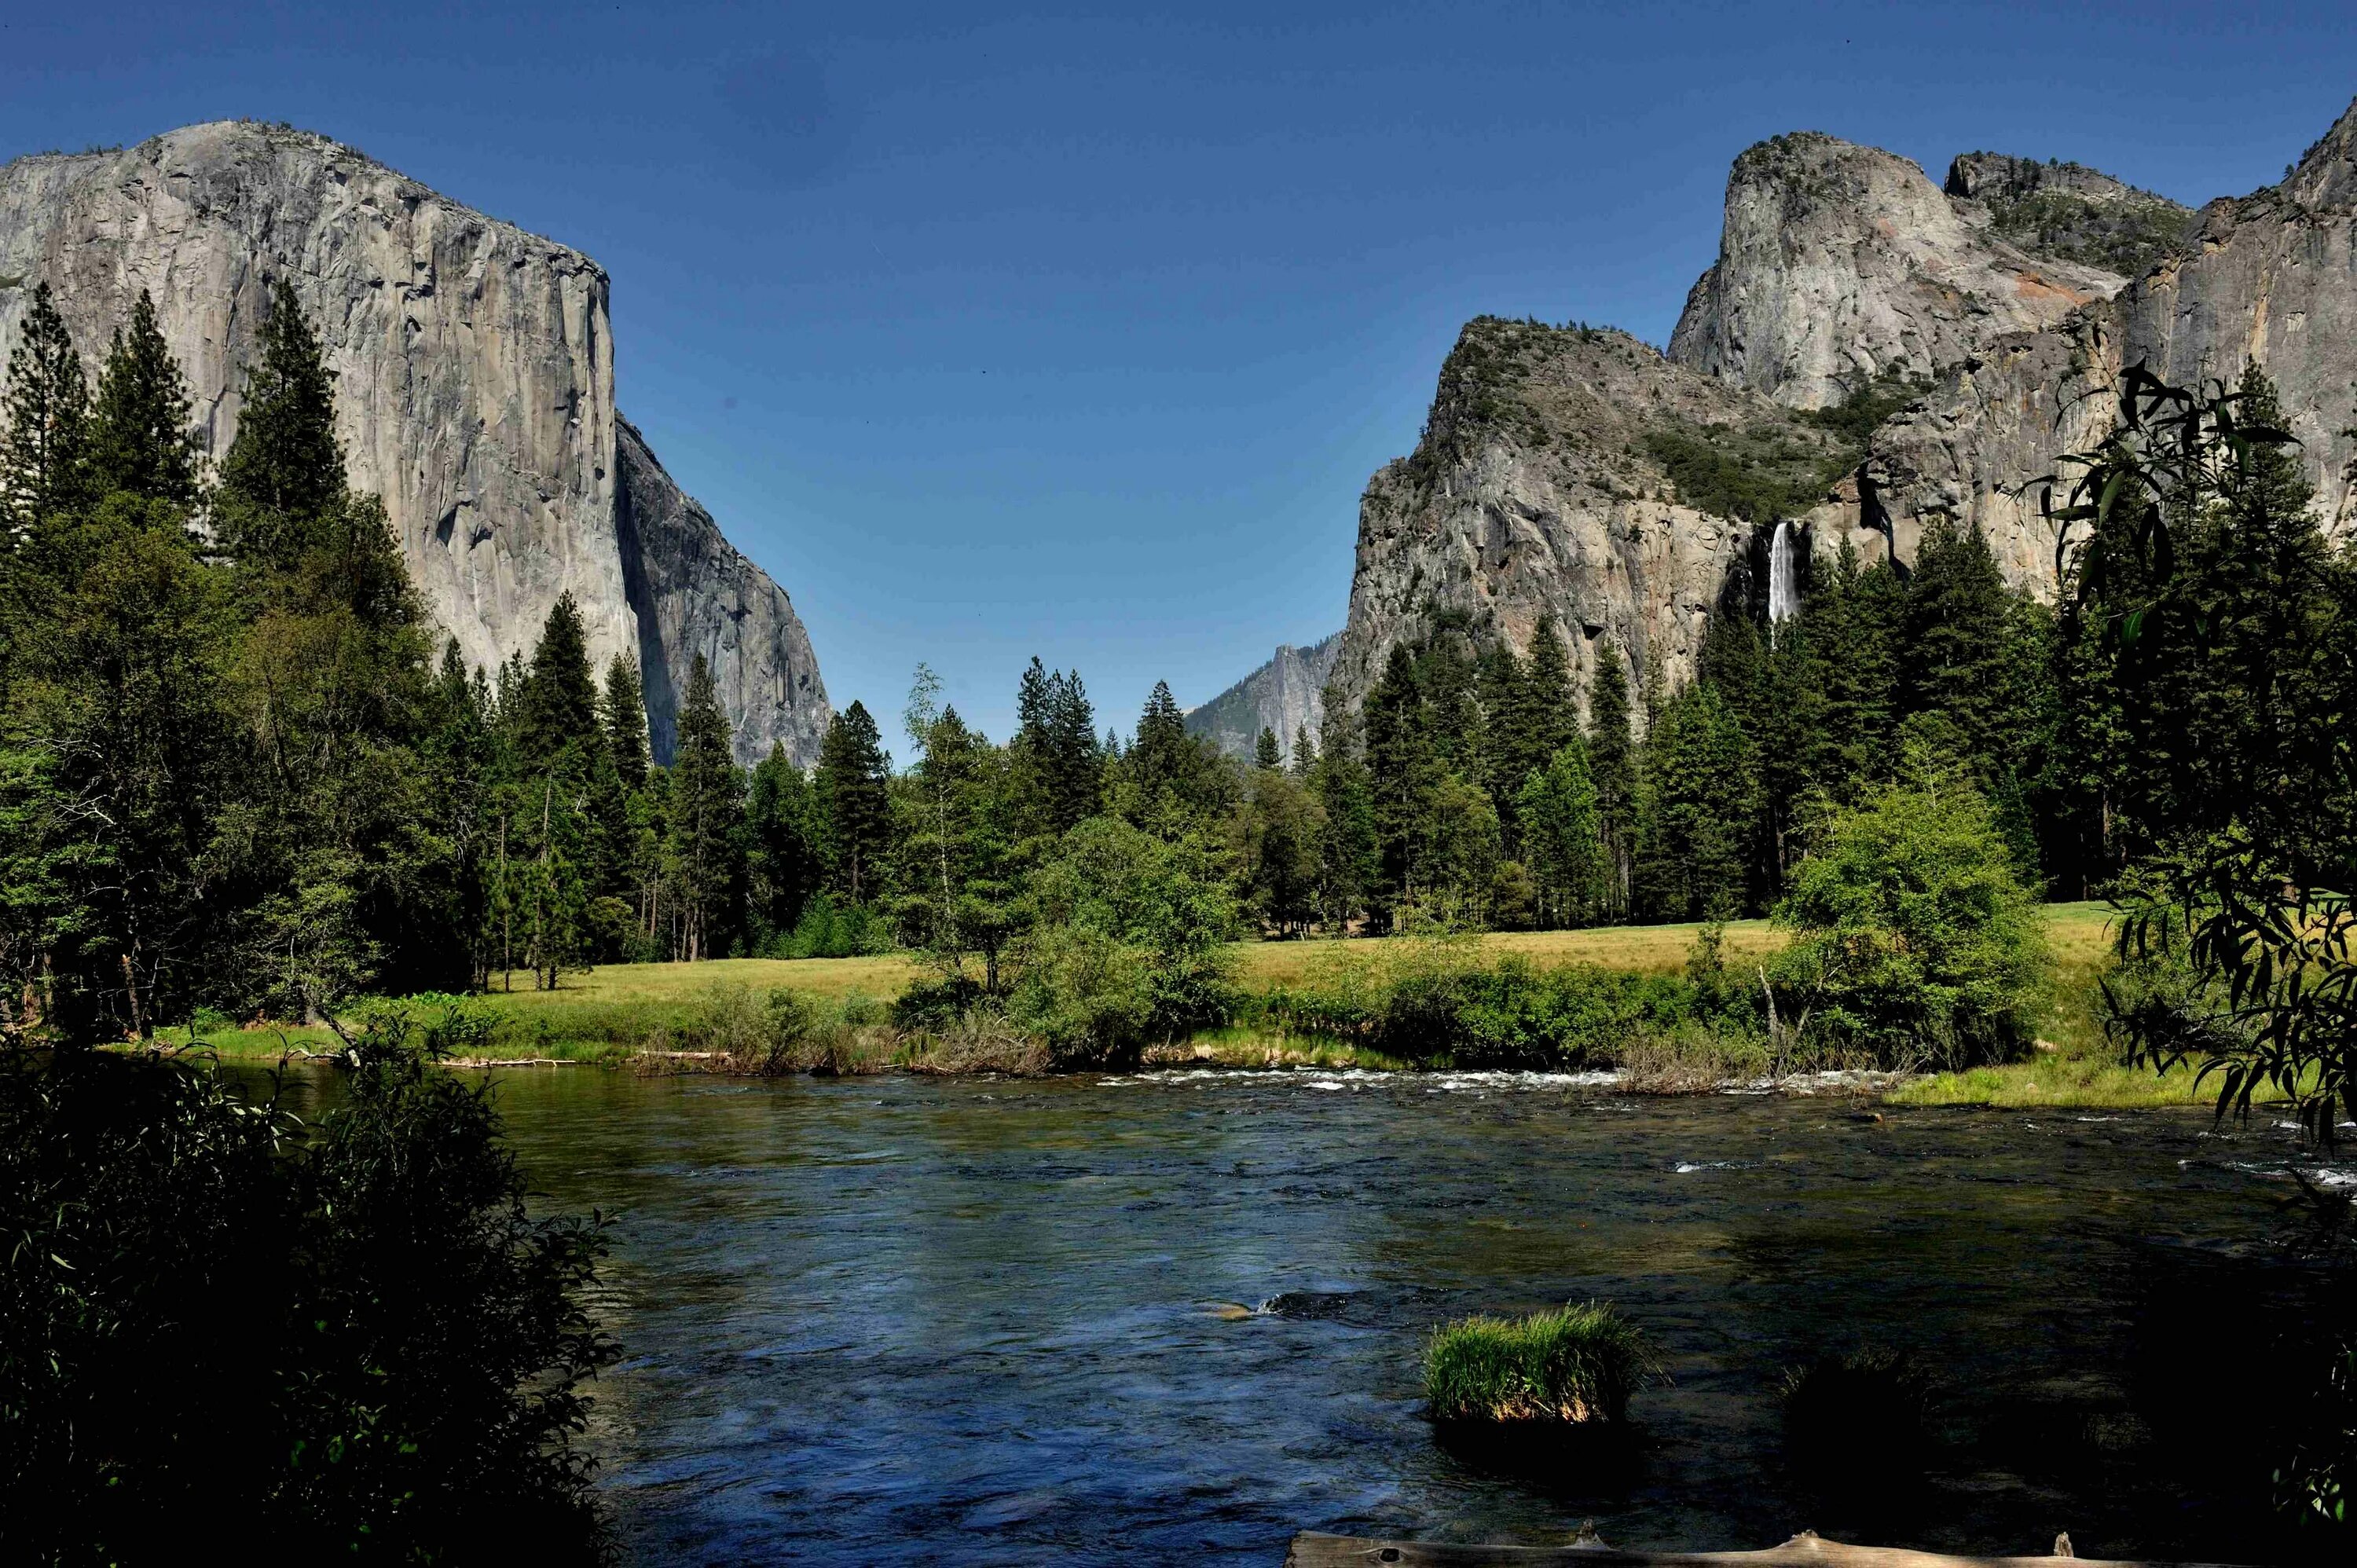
<point x="1870" y="353"/>
<point x="474" y="369"/>
<point x="1286" y="695"/>
<point x="2270" y="279"/>
<point x="1576" y="472"/>
<point x="1839" y="264"/>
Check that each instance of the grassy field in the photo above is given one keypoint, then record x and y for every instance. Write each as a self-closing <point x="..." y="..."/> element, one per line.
<point x="617" y="1009"/>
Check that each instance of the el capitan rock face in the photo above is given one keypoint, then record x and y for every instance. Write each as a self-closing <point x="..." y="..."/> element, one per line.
<point x="474" y="392"/>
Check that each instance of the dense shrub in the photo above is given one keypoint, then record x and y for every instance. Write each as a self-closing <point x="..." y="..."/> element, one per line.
<point x="1444" y="1001"/>
<point x="350" y="1340"/>
<point x="1914" y="942"/>
<point x="829" y="929"/>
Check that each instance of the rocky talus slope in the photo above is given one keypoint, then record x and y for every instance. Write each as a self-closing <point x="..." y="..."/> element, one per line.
<point x="474" y="389"/>
<point x="1286" y="695"/>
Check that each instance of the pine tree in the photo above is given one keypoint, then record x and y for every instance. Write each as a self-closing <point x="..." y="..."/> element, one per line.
<point x="706" y="849"/>
<point x="785" y="865"/>
<point x="460" y="756"/>
<point x="1502" y="689"/>
<point x="1349" y="857"/>
<point x="852" y="777"/>
<point x="1057" y="759"/>
<point x="1550" y="713"/>
<point x="1403" y="772"/>
<point x="44" y="447"/>
<point x="1611" y="758"/>
<point x="1694" y="805"/>
<point x="1562" y="835"/>
<point x="1163" y="762"/>
<point x="285" y="469"/>
<point x="624" y="717"/>
<point x="1077" y="768"/>
<point x="1855" y="627"/>
<point x="2262" y="733"/>
<point x="1305" y="751"/>
<point x="557" y="719"/>
<point x="141" y="437"/>
<point x="1265" y="755"/>
<point x="1952" y="649"/>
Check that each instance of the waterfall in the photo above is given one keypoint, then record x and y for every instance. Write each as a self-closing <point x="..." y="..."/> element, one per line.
<point x="1783" y="579"/>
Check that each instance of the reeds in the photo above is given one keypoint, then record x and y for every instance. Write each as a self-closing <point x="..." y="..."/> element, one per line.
<point x="1576" y="1364"/>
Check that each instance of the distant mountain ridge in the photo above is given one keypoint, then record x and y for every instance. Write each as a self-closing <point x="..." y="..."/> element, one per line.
<point x="1285" y="694"/>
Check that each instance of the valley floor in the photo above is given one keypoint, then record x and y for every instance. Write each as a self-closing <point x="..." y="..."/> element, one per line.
<point x="617" y="1011"/>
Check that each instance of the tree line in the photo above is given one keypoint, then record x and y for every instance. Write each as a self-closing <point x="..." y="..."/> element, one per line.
<point x="236" y="773"/>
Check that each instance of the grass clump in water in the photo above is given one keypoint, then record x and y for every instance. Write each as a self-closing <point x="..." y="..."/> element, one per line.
<point x="1575" y="1364"/>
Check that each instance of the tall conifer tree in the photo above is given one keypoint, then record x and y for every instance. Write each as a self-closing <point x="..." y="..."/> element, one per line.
<point x="853" y="778"/>
<point x="1611" y="758"/>
<point x="285" y="469"/>
<point x="624" y="717"/>
<point x="44" y="441"/>
<point x="707" y="850"/>
<point x="141" y="437"/>
<point x="557" y="719"/>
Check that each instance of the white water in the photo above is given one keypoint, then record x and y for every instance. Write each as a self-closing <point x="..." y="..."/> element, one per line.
<point x="1784" y="574"/>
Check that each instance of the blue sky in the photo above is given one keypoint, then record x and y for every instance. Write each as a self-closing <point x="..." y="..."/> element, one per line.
<point x="1077" y="330"/>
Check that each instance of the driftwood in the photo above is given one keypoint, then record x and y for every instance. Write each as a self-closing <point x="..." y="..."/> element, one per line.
<point x="1806" y="1550"/>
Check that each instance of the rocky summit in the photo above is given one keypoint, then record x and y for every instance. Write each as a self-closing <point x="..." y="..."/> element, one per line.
<point x="474" y="369"/>
<point x="1871" y="354"/>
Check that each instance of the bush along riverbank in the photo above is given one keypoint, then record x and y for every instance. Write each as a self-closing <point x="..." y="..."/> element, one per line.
<point x="1908" y="960"/>
<point x="352" y="1337"/>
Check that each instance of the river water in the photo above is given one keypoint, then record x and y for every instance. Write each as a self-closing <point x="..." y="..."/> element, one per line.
<point x="980" y="1321"/>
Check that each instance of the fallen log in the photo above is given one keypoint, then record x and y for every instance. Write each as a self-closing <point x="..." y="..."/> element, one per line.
<point x="1806" y="1550"/>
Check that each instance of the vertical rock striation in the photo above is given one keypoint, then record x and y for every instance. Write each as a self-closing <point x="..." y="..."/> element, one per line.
<point x="694" y="593"/>
<point x="1286" y="695"/>
<point x="474" y="369"/>
<point x="2270" y="279"/>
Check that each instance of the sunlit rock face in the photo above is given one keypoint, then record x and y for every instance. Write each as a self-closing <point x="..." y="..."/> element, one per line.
<point x="1538" y="486"/>
<point x="1839" y="264"/>
<point x="474" y="369"/>
<point x="1539" y="489"/>
<point x="1286" y="696"/>
<point x="2268" y="279"/>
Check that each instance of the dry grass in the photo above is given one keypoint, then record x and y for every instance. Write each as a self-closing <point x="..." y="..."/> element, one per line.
<point x="1638" y="950"/>
<point x="618" y="1010"/>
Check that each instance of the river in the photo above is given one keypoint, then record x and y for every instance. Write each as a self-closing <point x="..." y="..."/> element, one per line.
<point x="976" y="1321"/>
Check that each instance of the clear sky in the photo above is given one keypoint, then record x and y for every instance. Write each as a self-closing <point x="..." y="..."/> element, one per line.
<point x="996" y="331"/>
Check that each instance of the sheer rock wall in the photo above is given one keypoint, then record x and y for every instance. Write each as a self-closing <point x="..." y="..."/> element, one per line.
<point x="474" y="369"/>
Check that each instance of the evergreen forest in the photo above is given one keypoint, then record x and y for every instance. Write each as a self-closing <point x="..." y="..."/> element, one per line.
<point x="239" y="777"/>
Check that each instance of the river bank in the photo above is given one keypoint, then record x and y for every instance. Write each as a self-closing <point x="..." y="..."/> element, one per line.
<point x="659" y="1018"/>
